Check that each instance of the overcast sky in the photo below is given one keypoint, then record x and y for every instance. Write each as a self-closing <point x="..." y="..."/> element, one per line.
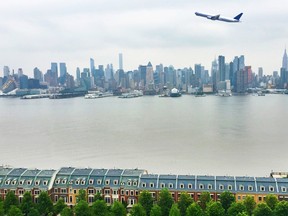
<point x="34" y="33"/>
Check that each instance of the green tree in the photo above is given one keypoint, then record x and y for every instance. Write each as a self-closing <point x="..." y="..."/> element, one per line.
<point x="250" y="205"/>
<point x="118" y="209"/>
<point x="45" y="204"/>
<point x="1" y="208"/>
<point x="215" y="209"/>
<point x="9" y="201"/>
<point x="27" y="203"/>
<point x="155" y="211"/>
<point x="165" y="201"/>
<point x="242" y="214"/>
<point x="185" y="200"/>
<point x="236" y="208"/>
<point x="99" y="208"/>
<point x="33" y="212"/>
<point x="204" y="199"/>
<point x="81" y="195"/>
<point x="59" y="206"/>
<point x="98" y="196"/>
<point x="146" y="200"/>
<point x="67" y="212"/>
<point x="271" y="201"/>
<point x="82" y="208"/>
<point x="174" y="211"/>
<point x="226" y="199"/>
<point x="14" y="211"/>
<point x="138" y="210"/>
<point x="262" y="209"/>
<point x="194" y="210"/>
<point x="281" y="208"/>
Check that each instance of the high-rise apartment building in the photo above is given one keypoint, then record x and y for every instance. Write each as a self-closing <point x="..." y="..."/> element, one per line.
<point x="120" y="61"/>
<point x="63" y="69"/>
<point x="6" y="71"/>
<point x="221" y="64"/>
<point x="92" y="66"/>
<point x="38" y="74"/>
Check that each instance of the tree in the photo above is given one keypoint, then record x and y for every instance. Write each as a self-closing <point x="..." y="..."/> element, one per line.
<point x="118" y="209"/>
<point x="146" y="200"/>
<point x="67" y="212"/>
<point x="165" y="201"/>
<point x="174" y="211"/>
<point x="185" y="200"/>
<point x="33" y="212"/>
<point x="194" y="210"/>
<point x="204" y="199"/>
<point x="271" y="201"/>
<point x="262" y="209"/>
<point x="14" y="211"/>
<point x="242" y="214"/>
<point x="281" y="208"/>
<point x="98" y="196"/>
<point x="250" y="205"/>
<point x="236" y="208"/>
<point x="27" y="203"/>
<point x="226" y="199"/>
<point x="45" y="204"/>
<point x="155" y="211"/>
<point x="99" y="208"/>
<point x="138" y="210"/>
<point x="215" y="209"/>
<point x="1" y="208"/>
<point x="10" y="200"/>
<point x="81" y="195"/>
<point x="82" y="208"/>
<point x="59" y="206"/>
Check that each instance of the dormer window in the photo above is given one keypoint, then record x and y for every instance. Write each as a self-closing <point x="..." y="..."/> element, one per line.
<point x="209" y="186"/>
<point x="262" y="188"/>
<point x="181" y="186"/>
<point x="57" y="181"/>
<point x="170" y="185"/>
<point x="122" y="183"/>
<point x="64" y="181"/>
<point x="77" y="182"/>
<point x="99" y="182"/>
<point x="37" y="182"/>
<point x="201" y="186"/>
<point x="221" y="187"/>
<point x="241" y="187"/>
<point x="91" y="181"/>
<point x="230" y="187"/>
<point x="152" y="185"/>
<point x="115" y="182"/>
<point x="7" y="182"/>
<point x="143" y="185"/>
<point x="271" y="188"/>
<point x="14" y="182"/>
<point x="45" y="182"/>
<point x="250" y="188"/>
<point x="83" y="182"/>
<point x="190" y="186"/>
<point x="283" y="189"/>
<point x="107" y="182"/>
<point x="135" y="183"/>
<point x="129" y="183"/>
<point x="29" y="182"/>
<point x="162" y="185"/>
<point x="21" y="182"/>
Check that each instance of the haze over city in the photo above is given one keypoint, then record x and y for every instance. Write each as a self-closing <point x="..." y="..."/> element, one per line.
<point x="36" y="33"/>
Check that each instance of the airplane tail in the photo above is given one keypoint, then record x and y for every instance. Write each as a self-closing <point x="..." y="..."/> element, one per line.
<point x="238" y="16"/>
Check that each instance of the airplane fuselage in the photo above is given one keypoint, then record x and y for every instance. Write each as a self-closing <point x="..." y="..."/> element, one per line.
<point x="219" y="18"/>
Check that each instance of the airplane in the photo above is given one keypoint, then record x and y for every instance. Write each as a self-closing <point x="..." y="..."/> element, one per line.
<point x="218" y="17"/>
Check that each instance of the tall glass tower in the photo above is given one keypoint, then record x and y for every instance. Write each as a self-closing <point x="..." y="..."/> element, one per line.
<point x="285" y="61"/>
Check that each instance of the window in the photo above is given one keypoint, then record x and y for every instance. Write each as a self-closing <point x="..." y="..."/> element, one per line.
<point x="170" y="185"/>
<point x="77" y="182"/>
<point x="64" y="181"/>
<point x="127" y="192"/>
<point x="91" y="181"/>
<point x="90" y="199"/>
<point x="135" y="183"/>
<point x="21" y="182"/>
<point x="99" y="181"/>
<point x="250" y="188"/>
<point x="190" y="186"/>
<point x="83" y="182"/>
<point x="90" y="191"/>
<point x="29" y="182"/>
<point x="115" y="192"/>
<point x="21" y="192"/>
<point x="283" y="189"/>
<point x="260" y="198"/>
<point x="136" y="193"/>
<point x="7" y="182"/>
<point x="162" y="185"/>
<point x="122" y="192"/>
<point x="201" y="186"/>
<point x="129" y="183"/>
<point x="71" y="182"/>
<point x="181" y="186"/>
<point x="262" y="188"/>
<point x="63" y="190"/>
<point x="55" y="190"/>
<point x="37" y="182"/>
<point x="57" y="181"/>
<point x="36" y="192"/>
<point x="230" y="187"/>
<point x="209" y="186"/>
<point x="115" y="182"/>
<point x="241" y="187"/>
<point x="143" y="184"/>
<point x="221" y="187"/>
<point x="152" y="185"/>
<point x="132" y="193"/>
<point x="271" y="188"/>
<point x="45" y="182"/>
<point x="107" y="182"/>
<point x="106" y="191"/>
<point x="70" y="199"/>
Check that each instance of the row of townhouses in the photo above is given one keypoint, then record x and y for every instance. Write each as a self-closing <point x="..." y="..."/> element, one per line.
<point x="125" y="184"/>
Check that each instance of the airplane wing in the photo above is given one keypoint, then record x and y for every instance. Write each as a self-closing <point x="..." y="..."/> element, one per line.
<point x="201" y="14"/>
<point x="212" y="17"/>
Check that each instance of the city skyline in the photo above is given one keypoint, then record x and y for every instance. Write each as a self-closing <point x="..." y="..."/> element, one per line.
<point x="160" y="32"/>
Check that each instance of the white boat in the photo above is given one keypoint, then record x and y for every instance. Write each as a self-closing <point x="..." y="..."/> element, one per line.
<point x="224" y="93"/>
<point x="96" y="95"/>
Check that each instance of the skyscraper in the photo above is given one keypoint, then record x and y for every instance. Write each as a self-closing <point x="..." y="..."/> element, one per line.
<point x="221" y="62"/>
<point x="38" y="74"/>
<point x="92" y="67"/>
<point x="285" y="61"/>
<point x="120" y="61"/>
<point x="6" y="71"/>
<point x="63" y="69"/>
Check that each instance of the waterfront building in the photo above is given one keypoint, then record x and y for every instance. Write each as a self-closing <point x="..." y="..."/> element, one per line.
<point x="125" y="185"/>
<point x="92" y="66"/>
<point x="149" y="74"/>
<point x="38" y="74"/>
<point x="285" y="61"/>
<point x="221" y="65"/>
<point x="63" y="69"/>
<point x="6" y="71"/>
<point x="121" y="61"/>
<point x="23" y="82"/>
